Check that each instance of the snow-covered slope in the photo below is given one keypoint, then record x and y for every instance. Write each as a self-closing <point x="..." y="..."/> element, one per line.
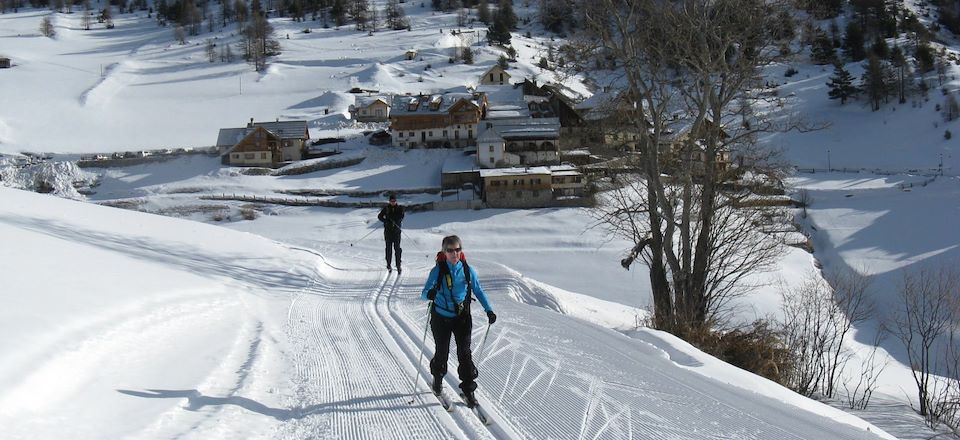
<point x="120" y="323"/>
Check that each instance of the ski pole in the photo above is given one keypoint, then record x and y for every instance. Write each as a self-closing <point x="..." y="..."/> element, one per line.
<point x="416" y="370"/>
<point x="483" y="343"/>
<point x="365" y="236"/>
<point x="409" y="239"/>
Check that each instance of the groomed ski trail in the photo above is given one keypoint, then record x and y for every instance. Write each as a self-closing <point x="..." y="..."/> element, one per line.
<point x="353" y="377"/>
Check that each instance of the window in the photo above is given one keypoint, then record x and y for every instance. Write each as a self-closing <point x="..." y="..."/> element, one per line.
<point x="236" y="155"/>
<point x="411" y="134"/>
<point x="469" y="134"/>
<point x="501" y="77"/>
<point x="249" y="156"/>
<point x="491" y="77"/>
<point x="491" y="161"/>
<point x="495" y="182"/>
<point x="491" y="150"/>
<point x="263" y="155"/>
<point x="444" y="133"/>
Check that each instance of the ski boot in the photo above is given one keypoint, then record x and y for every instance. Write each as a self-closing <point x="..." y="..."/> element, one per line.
<point x="470" y="399"/>
<point x="437" y="386"/>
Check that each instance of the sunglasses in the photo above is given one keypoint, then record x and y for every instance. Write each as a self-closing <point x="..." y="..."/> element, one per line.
<point x="452" y="250"/>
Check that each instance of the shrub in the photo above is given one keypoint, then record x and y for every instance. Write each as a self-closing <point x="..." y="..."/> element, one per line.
<point x="758" y="349"/>
<point x="790" y="72"/>
<point x="947" y="135"/>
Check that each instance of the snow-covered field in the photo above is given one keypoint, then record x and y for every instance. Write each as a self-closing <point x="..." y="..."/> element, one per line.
<point x="122" y="324"/>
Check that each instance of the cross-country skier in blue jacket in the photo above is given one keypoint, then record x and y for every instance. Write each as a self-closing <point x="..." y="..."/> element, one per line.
<point x="449" y="286"/>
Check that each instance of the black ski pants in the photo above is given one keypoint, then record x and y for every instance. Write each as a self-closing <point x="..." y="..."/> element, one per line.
<point x="461" y="329"/>
<point x="392" y="239"/>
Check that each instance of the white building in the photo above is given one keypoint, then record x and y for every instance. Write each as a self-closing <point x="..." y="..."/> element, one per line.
<point x="519" y="142"/>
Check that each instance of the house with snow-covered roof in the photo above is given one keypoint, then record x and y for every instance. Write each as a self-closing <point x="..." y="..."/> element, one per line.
<point x="521" y="141"/>
<point x="532" y="187"/>
<point x="442" y="120"/>
<point x="495" y="75"/>
<point x="263" y="143"/>
<point x="370" y="109"/>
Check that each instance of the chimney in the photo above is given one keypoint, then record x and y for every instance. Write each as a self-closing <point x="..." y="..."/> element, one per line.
<point x="250" y="125"/>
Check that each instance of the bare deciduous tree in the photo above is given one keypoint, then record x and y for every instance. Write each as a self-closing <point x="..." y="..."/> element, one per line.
<point x="46" y="28"/>
<point x="859" y="388"/>
<point x="929" y="311"/>
<point x="851" y="307"/>
<point x="258" y="42"/>
<point x="817" y="316"/>
<point x="707" y="71"/>
<point x="395" y="16"/>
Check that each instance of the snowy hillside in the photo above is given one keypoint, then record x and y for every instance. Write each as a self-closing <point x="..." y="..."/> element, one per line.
<point x="127" y="324"/>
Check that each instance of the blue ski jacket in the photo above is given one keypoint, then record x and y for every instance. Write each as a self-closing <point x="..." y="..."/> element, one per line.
<point x="442" y="304"/>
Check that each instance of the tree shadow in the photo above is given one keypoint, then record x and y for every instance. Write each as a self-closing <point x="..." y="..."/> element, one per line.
<point x="197" y="401"/>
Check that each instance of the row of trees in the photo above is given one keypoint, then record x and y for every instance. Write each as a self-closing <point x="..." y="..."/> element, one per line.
<point x="819" y="314"/>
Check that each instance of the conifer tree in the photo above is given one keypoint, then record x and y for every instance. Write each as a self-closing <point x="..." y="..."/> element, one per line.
<point x="874" y="82"/>
<point x="841" y="84"/>
<point x="498" y="32"/>
<point x="505" y="11"/>
<point x="483" y="12"/>
<point x="822" y="51"/>
<point x="339" y="12"/>
<point x="853" y="42"/>
<point x="395" y="16"/>
<point x="899" y="62"/>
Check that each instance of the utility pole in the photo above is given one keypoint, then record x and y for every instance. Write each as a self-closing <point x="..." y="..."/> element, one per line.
<point x="829" y="168"/>
<point x="240" y="77"/>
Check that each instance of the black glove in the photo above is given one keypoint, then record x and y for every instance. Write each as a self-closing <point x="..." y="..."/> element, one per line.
<point x="491" y="317"/>
<point x="432" y="293"/>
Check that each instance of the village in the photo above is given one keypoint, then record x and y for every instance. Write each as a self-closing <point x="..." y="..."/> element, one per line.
<point x="525" y="145"/>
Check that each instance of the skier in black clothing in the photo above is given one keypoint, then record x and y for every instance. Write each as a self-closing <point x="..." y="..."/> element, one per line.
<point x="392" y="217"/>
<point x="451" y="285"/>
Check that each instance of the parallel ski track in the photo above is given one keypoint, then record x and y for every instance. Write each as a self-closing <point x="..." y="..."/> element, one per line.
<point x="534" y="383"/>
<point x="559" y="390"/>
<point x="354" y="373"/>
<point x="408" y="335"/>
